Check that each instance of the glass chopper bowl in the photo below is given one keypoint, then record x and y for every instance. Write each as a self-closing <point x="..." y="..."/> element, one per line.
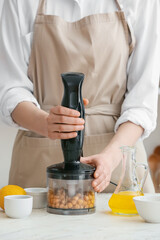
<point x="69" y="183"/>
<point x="70" y="196"/>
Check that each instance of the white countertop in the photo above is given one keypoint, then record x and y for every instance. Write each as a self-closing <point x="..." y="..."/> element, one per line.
<point x="41" y="225"/>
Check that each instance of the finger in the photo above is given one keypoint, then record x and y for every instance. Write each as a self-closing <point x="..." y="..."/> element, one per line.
<point x="89" y="160"/>
<point x="102" y="185"/>
<point x="98" y="180"/>
<point x="99" y="171"/>
<point x="60" y="110"/>
<point x="85" y="101"/>
<point x="65" y="128"/>
<point x="57" y="135"/>
<point x="52" y="118"/>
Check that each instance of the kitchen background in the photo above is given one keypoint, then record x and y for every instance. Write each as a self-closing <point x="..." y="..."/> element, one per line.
<point x="7" y="135"/>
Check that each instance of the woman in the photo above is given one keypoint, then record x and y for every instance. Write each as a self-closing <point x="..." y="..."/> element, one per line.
<point x="121" y="81"/>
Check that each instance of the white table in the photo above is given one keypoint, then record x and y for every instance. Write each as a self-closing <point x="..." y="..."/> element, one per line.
<point x="41" y="225"/>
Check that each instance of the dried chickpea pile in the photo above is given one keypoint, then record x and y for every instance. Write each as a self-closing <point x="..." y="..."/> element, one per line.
<point x="60" y="199"/>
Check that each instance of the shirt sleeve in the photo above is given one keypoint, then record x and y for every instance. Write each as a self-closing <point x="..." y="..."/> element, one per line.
<point x="15" y="86"/>
<point x="140" y="103"/>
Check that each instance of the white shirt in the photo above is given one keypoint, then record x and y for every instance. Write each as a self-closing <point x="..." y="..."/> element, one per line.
<point x="16" y="31"/>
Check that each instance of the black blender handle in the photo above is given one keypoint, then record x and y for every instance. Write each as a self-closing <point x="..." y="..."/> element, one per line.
<point x="72" y="98"/>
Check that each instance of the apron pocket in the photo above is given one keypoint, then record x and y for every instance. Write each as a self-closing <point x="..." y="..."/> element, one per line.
<point x="35" y="155"/>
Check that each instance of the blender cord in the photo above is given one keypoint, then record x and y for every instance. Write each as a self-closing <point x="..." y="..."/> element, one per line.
<point x="113" y="183"/>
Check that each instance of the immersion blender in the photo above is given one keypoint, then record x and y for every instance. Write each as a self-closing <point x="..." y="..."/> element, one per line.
<point x="70" y="190"/>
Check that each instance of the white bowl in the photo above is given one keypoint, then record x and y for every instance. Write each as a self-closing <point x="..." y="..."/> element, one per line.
<point x="39" y="196"/>
<point x="18" y="206"/>
<point x="148" y="207"/>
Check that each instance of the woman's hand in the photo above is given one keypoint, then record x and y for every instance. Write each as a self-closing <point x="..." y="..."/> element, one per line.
<point x="63" y="123"/>
<point x="105" y="163"/>
<point x="60" y="123"/>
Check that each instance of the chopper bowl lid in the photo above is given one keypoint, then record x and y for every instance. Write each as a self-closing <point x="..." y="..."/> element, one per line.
<point x="78" y="171"/>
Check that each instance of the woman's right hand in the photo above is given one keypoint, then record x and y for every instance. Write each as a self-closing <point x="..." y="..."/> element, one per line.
<point x="63" y="123"/>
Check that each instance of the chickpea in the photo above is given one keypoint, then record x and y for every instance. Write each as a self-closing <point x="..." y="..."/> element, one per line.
<point x="77" y="206"/>
<point x="79" y="195"/>
<point x="59" y="199"/>
<point x="61" y="206"/>
<point x="89" y="202"/>
<point x="91" y="205"/>
<point x="90" y="197"/>
<point x="73" y="202"/>
<point x="51" y="195"/>
<point x="86" y="198"/>
<point x="62" y="198"/>
<point x="80" y="201"/>
<point x="63" y="202"/>
<point x="69" y="205"/>
<point x="91" y="193"/>
<point x="92" y="201"/>
<point x="56" y="197"/>
<point x="50" y="191"/>
<point x="75" y="198"/>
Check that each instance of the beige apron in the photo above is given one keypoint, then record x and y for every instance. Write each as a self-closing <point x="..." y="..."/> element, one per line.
<point x="97" y="45"/>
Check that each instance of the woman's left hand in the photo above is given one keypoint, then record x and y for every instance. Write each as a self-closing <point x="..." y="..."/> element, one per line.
<point x="105" y="162"/>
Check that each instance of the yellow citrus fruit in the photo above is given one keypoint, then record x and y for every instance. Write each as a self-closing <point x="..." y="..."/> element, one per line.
<point x="10" y="190"/>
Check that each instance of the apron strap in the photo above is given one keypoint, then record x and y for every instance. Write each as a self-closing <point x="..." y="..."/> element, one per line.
<point x="132" y="42"/>
<point x="132" y="37"/>
<point x="42" y="7"/>
<point x="106" y="109"/>
<point x="118" y="5"/>
<point x="42" y="11"/>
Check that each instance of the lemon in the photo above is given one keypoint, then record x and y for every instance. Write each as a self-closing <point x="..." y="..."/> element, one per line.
<point x="10" y="190"/>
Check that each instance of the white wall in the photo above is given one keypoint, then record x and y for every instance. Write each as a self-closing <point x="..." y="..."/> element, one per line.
<point x="1" y="3"/>
<point x="7" y="136"/>
<point x="154" y="139"/>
